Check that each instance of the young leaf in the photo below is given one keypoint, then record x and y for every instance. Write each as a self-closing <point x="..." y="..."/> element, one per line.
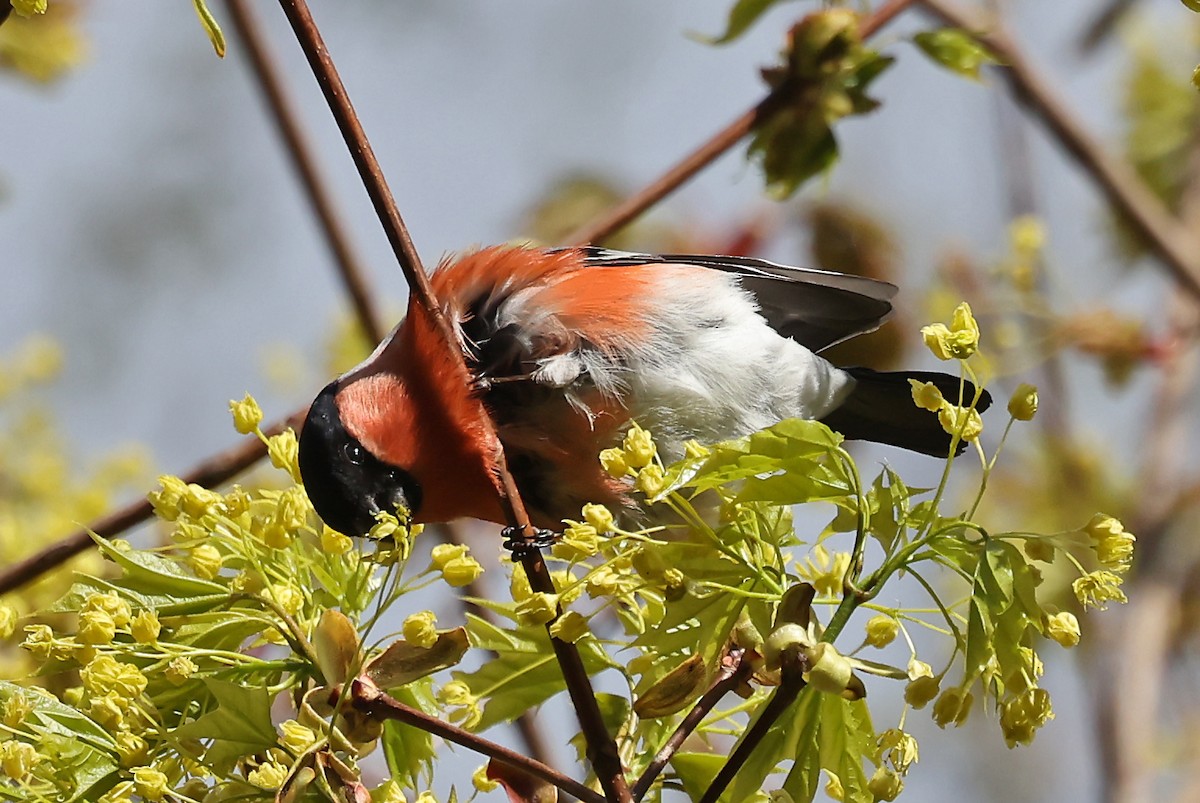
<point x="956" y="50"/>
<point x="743" y="14"/>
<point x="402" y="663"/>
<point x="409" y="750"/>
<point x="524" y="673"/>
<point x="239" y="725"/>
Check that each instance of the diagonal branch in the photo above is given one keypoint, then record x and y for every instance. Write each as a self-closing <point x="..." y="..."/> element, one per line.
<point x="304" y="161"/>
<point x="217" y="469"/>
<point x="371" y="701"/>
<point x="1166" y="237"/>
<point x="602" y="749"/>
<point x="735" y="669"/>
<point x="624" y="213"/>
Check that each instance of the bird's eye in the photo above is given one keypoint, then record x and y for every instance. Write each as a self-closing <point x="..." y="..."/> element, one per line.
<point x="354" y="453"/>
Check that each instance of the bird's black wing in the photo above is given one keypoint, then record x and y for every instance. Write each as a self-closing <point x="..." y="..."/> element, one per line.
<point x="816" y="308"/>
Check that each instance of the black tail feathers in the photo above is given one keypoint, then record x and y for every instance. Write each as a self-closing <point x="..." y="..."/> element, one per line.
<point x="881" y="409"/>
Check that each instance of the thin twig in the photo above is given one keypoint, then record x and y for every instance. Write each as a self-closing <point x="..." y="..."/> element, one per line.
<point x="734" y="671"/>
<point x="602" y="750"/>
<point x="304" y="160"/>
<point x="794" y="665"/>
<point x="217" y="469"/>
<point x="630" y="209"/>
<point x="373" y="702"/>
<point x="1167" y="238"/>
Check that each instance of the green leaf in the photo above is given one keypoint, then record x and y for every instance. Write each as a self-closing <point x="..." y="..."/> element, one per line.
<point x="788" y="463"/>
<point x="336" y="643"/>
<point x="524" y="673"/>
<point x="614" y="712"/>
<point x="83" y="752"/>
<point x="402" y="663"/>
<point x="832" y="734"/>
<point x="696" y="771"/>
<point x="409" y="750"/>
<point x="158" y="583"/>
<point x="239" y="725"/>
<point x="743" y="14"/>
<point x="956" y="50"/>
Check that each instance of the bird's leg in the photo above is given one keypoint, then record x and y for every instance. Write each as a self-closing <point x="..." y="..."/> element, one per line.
<point x="482" y="382"/>
<point x="522" y="545"/>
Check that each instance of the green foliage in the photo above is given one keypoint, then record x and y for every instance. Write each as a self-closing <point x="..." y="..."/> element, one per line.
<point x="743" y="15"/>
<point x="825" y="77"/>
<point x="956" y="50"/>
<point x="170" y="671"/>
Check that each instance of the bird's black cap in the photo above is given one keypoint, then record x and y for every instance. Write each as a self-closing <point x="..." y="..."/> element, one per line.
<point x="347" y="484"/>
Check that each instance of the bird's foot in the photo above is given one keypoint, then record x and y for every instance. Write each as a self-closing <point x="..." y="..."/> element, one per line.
<point x="523" y="546"/>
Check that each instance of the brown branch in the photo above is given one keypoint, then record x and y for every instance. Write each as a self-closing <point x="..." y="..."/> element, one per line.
<point x="282" y="112"/>
<point x="1169" y="240"/>
<point x="792" y="683"/>
<point x="375" y="703"/>
<point x="634" y="206"/>
<point x="735" y="669"/>
<point x="304" y="161"/>
<point x="602" y="750"/>
<point x="213" y="471"/>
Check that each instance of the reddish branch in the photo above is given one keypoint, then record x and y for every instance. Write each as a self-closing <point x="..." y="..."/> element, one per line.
<point x="602" y="750"/>
<point x="1168" y="239"/>
<point x="735" y="670"/>
<point x="634" y="206"/>
<point x="304" y="161"/>
<point x="214" y="471"/>
<point x="373" y="702"/>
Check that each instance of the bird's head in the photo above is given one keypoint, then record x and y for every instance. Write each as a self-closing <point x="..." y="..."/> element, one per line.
<point x="346" y="479"/>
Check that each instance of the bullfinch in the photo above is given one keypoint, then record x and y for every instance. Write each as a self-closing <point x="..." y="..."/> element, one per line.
<point x="565" y="348"/>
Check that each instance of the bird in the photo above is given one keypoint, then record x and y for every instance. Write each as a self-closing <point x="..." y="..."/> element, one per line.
<point x="565" y="348"/>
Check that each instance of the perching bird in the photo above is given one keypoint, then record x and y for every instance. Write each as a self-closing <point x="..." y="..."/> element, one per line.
<point x="566" y="347"/>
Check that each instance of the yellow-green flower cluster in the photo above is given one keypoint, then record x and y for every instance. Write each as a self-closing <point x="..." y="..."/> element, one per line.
<point x="955" y="342"/>
<point x="455" y="563"/>
<point x="962" y="421"/>
<point x="637" y="457"/>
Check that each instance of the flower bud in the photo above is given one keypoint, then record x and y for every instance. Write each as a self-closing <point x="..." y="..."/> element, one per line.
<point x="965" y="419"/>
<point x="150" y="783"/>
<point x="539" y="609"/>
<point x="461" y="571"/>
<point x="96" y="627"/>
<point x="295" y="737"/>
<point x="132" y="749"/>
<point x="1024" y="402"/>
<point x="205" y="559"/>
<point x="1064" y="628"/>
<point x="899" y="748"/>
<point x="882" y="630"/>
<point x="885" y="784"/>
<point x="829" y="670"/>
<point x="145" y="627"/>
<point x="613" y="461"/>
<point x="919" y="692"/>
<point x="421" y="629"/>
<point x="247" y="415"/>
<point x="639" y="447"/>
<point x="953" y="705"/>
<point x="927" y="396"/>
<point x="600" y="517"/>
<point x="570" y="627"/>
<point x="650" y="480"/>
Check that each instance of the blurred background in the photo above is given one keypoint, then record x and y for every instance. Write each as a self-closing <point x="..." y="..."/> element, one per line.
<point x="154" y="240"/>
